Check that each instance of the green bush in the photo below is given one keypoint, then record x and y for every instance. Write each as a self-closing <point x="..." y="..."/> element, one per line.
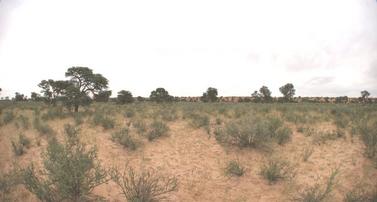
<point x="71" y="171"/>
<point x="158" y="129"/>
<point x="234" y="168"/>
<point x="146" y="186"/>
<point x="122" y="137"/>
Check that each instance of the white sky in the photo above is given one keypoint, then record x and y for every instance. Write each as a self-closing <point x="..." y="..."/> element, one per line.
<point x="324" y="47"/>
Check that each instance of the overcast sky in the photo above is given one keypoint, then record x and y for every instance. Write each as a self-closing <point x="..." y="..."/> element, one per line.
<point x="324" y="47"/>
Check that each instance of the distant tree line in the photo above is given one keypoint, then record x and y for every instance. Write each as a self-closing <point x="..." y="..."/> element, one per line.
<point x="83" y="87"/>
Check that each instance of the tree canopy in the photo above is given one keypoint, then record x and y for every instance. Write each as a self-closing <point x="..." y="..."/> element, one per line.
<point x="210" y="95"/>
<point x="288" y="91"/>
<point x="160" y="95"/>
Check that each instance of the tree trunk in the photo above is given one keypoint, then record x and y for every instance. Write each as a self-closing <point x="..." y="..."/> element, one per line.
<point x="76" y="108"/>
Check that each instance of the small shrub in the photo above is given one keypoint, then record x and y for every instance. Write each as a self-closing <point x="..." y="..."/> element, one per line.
<point x="20" y="145"/>
<point x="140" y="126"/>
<point x="158" y="129"/>
<point x="146" y="186"/>
<point x="283" y="135"/>
<point x="234" y="168"/>
<point x="275" y="170"/>
<point x="130" y="113"/>
<point x="198" y="120"/>
<point x="23" y="122"/>
<point x="43" y="129"/>
<point x="316" y="193"/>
<point x="123" y="138"/>
<point x="218" y="121"/>
<point x="70" y="171"/>
<point x="105" y="122"/>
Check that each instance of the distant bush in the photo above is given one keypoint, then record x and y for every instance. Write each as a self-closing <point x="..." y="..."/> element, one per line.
<point x="145" y="186"/>
<point x="160" y="95"/>
<point x="234" y="168"/>
<point x="210" y="95"/>
<point x="125" y="97"/>
<point x="71" y="171"/>
<point x="317" y="193"/>
<point x="122" y="137"/>
<point x="157" y="129"/>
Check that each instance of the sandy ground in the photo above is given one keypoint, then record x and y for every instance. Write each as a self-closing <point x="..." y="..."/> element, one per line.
<point x="198" y="161"/>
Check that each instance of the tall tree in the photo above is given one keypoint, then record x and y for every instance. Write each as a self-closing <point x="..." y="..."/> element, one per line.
<point x="365" y="95"/>
<point x="210" y="95"/>
<point x="265" y="93"/>
<point x="160" y="95"/>
<point x="19" y="97"/>
<point x="288" y="91"/>
<point x="83" y="84"/>
<point x="102" y="96"/>
<point x="124" y="96"/>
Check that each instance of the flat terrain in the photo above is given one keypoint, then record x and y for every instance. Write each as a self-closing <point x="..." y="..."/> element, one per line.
<point x="200" y="142"/>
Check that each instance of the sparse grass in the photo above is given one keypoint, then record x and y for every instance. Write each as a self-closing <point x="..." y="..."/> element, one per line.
<point x="199" y="120"/>
<point x="7" y="182"/>
<point x="318" y="193"/>
<point x="361" y="194"/>
<point x="157" y="129"/>
<point x="234" y="168"/>
<point x="143" y="186"/>
<point x="123" y="137"/>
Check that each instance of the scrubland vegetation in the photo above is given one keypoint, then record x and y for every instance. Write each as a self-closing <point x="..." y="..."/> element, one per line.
<point x="148" y="151"/>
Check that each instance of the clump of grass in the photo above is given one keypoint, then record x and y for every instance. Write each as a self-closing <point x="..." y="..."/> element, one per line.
<point x="275" y="169"/>
<point x="234" y="168"/>
<point x="218" y="121"/>
<point x="283" y="135"/>
<point x="123" y="137"/>
<point x="157" y="130"/>
<point x="130" y="113"/>
<point x="7" y="182"/>
<point x="361" y="194"/>
<point x="8" y="117"/>
<point x="140" y="126"/>
<point x="199" y="120"/>
<point x="168" y="114"/>
<point x="78" y="118"/>
<point x="104" y="121"/>
<point x="19" y="146"/>
<point x="318" y="193"/>
<point x="43" y="128"/>
<point x="322" y="137"/>
<point x="53" y="113"/>
<point x="146" y="185"/>
<point x="23" y="122"/>
<point x="306" y="153"/>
